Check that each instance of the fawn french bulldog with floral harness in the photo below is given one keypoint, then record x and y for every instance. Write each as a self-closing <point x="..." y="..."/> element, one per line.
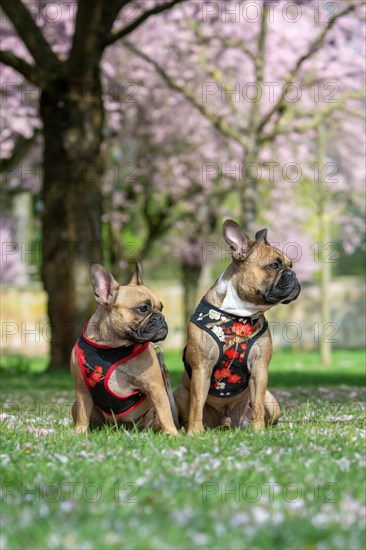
<point x="229" y="344"/>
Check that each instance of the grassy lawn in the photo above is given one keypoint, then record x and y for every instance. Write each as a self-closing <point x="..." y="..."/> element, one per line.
<point x="298" y="485"/>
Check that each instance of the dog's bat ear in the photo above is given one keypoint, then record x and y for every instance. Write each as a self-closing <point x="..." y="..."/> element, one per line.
<point x="136" y="278"/>
<point x="261" y="236"/>
<point x="104" y="285"/>
<point x="236" y="239"/>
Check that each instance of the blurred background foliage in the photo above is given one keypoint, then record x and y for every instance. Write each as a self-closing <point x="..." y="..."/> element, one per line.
<point x="133" y="129"/>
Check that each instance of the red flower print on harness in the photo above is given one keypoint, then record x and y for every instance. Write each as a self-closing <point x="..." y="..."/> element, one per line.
<point x="95" y="377"/>
<point x="223" y="373"/>
<point x="219" y="376"/>
<point x="242" y="329"/>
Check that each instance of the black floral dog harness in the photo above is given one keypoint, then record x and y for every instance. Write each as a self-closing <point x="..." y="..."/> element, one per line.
<point x="97" y="364"/>
<point x="235" y="337"/>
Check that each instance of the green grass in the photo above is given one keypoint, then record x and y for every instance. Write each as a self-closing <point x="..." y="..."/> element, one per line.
<point x="300" y="485"/>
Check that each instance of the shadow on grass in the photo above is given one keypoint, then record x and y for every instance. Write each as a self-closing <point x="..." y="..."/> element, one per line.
<point x="35" y="381"/>
<point x="293" y="379"/>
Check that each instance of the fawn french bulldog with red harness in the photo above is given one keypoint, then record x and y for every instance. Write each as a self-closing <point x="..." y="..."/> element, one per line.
<point x="116" y="370"/>
<point x="229" y="344"/>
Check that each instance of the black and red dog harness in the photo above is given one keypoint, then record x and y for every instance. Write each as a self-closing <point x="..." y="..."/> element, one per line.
<point x="97" y="364"/>
<point x="234" y="337"/>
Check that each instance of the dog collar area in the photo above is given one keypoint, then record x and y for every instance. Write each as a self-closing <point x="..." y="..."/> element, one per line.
<point x="253" y="319"/>
<point x="136" y="346"/>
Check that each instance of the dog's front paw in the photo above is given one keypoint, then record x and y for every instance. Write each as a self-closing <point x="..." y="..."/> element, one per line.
<point x="195" y="430"/>
<point x="258" y="424"/>
<point x="171" y="432"/>
<point x="80" y="429"/>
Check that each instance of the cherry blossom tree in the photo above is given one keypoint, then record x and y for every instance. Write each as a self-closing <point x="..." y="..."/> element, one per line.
<point x="169" y="194"/>
<point x="211" y="111"/>
<point x="58" y="48"/>
<point x="268" y="84"/>
<point x="192" y="207"/>
<point x="266" y="94"/>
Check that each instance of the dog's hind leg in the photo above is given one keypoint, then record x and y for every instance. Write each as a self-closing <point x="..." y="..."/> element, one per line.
<point x="212" y="418"/>
<point x="272" y="411"/>
<point x="84" y="412"/>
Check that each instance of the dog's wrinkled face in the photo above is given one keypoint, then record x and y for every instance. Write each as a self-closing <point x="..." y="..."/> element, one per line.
<point x="138" y="315"/>
<point x="134" y="311"/>
<point x="273" y="279"/>
<point x="264" y="275"/>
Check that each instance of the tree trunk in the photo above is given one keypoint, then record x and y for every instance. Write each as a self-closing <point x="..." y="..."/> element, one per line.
<point x="326" y="275"/>
<point x="324" y="239"/>
<point x="116" y="258"/>
<point x="249" y="188"/>
<point x="190" y="280"/>
<point x="72" y="202"/>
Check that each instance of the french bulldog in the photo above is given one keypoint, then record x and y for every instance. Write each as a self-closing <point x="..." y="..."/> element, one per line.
<point x="229" y="344"/>
<point x="115" y="368"/>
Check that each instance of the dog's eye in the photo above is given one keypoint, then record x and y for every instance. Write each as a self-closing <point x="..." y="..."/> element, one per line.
<point x="274" y="266"/>
<point x="143" y="309"/>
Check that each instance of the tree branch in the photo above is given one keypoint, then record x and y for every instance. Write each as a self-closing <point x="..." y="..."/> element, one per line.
<point x="31" y="35"/>
<point x="85" y="40"/>
<point x="259" y="70"/>
<point x="20" y="149"/>
<point x="216" y="120"/>
<point x="23" y="67"/>
<point x="315" y="119"/>
<point x="94" y="21"/>
<point x="239" y="44"/>
<point x="143" y="17"/>
<point x="314" y="46"/>
<point x="355" y="114"/>
<point x="212" y="73"/>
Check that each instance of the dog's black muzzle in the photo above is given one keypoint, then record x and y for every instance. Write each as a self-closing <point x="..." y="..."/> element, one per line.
<point x="154" y="329"/>
<point x="285" y="288"/>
